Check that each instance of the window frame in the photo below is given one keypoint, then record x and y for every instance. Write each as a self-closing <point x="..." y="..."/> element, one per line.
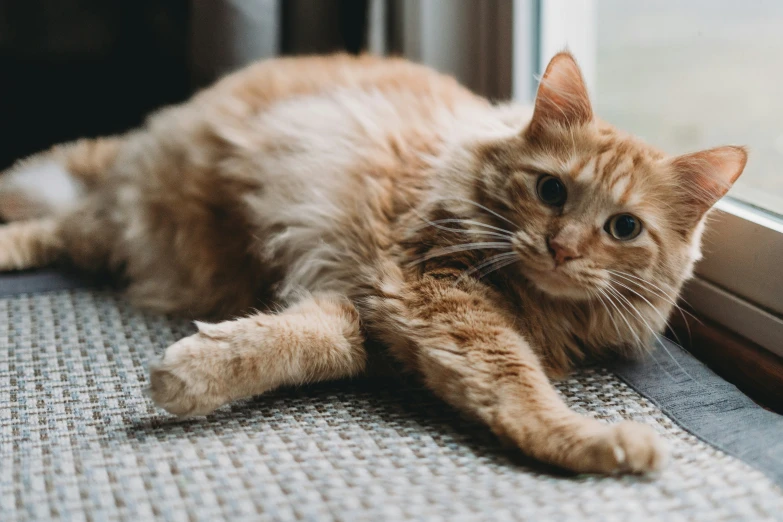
<point x="738" y="283"/>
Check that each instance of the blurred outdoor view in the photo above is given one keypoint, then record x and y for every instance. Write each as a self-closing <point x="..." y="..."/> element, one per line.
<point x="692" y="74"/>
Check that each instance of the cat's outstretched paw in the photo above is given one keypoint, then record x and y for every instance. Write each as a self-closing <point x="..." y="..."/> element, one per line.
<point x="627" y="447"/>
<point x="186" y="380"/>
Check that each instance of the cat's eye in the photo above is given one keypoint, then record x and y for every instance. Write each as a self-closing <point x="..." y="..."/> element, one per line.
<point x="551" y="191"/>
<point x="623" y="227"/>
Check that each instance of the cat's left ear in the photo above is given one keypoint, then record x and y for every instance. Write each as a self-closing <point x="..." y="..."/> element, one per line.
<point x="562" y="98"/>
<point x="707" y="176"/>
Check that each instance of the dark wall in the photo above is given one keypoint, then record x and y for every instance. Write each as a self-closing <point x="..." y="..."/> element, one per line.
<point x="84" y="68"/>
<point x="73" y="68"/>
<point x="323" y="26"/>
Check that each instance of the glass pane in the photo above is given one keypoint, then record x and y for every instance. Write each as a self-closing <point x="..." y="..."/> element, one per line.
<point x="691" y="74"/>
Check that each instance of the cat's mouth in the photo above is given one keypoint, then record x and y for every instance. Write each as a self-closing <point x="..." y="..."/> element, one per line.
<point x="558" y="282"/>
<point x="539" y="268"/>
<point x="562" y="281"/>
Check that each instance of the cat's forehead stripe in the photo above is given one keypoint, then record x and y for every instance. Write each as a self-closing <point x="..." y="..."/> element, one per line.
<point x="620" y="188"/>
<point x="600" y="162"/>
<point x="584" y="169"/>
<point x="611" y="164"/>
<point x="622" y="167"/>
<point x="629" y="197"/>
<point x="656" y="238"/>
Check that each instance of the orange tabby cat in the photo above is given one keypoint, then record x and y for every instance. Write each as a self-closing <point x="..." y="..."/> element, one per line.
<point x="485" y="246"/>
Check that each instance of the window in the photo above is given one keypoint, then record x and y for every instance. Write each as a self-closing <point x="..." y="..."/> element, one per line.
<point x="697" y="74"/>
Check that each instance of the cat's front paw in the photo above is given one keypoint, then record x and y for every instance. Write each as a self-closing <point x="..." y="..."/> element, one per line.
<point x="627" y="447"/>
<point x="186" y="381"/>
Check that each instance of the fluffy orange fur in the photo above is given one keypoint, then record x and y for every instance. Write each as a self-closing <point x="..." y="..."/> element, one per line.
<point x="363" y="201"/>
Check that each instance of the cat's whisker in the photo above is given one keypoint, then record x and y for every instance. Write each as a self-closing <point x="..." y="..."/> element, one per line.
<point x="627" y="305"/>
<point x="638" y="339"/>
<point x="682" y="369"/>
<point x="479" y="223"/>
<point x="498" y="258"/>
<point x="461" y="248"/>
<point x="637" y="280"/>
<point x="636" y="311"/>
<point x="592" y="295"/>
<point x="601" y="296"/>
<point x="625" y="275"/>
<point x="641" y="282"/>
<point x="486" y="233"/>
<point x="479" y="205"/>
<point x="498" y="266"/>
<point x="647" y="285"/>
<point x="665" y="321"/>
<point x="625" y="320"/>
<point x="438" y="224"/>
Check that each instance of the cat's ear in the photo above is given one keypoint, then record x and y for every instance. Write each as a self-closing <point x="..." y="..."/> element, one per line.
<point x="562" y="98"/>
<point x="707" y="176"/>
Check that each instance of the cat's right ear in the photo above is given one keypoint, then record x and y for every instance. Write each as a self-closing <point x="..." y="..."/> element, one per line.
<point x="562" y="99"/>
<point x="705" y="177"/>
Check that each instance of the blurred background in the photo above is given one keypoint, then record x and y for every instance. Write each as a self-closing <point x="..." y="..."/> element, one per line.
<point x="682" y="74"/>
<point x="74" y="68"/>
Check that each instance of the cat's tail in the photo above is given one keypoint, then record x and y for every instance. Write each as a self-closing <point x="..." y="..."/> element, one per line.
<point x="52" y="182"/>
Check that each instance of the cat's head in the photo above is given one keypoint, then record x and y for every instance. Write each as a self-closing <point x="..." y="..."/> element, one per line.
<point x="592" y="210"/>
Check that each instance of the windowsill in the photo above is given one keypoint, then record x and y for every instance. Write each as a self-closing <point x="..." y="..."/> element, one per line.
<point x="737" y="315"/>
<point x="759" y="199"/>
<point x="739" y="284"/>
<point x="753" y="369"/>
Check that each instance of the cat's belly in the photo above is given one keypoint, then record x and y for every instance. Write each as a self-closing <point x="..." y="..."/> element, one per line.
<point x="304" y="195"/>
<point x="335" y="171"/>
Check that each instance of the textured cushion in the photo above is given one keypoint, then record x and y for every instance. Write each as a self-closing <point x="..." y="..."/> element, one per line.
<point x="79" y="441"/>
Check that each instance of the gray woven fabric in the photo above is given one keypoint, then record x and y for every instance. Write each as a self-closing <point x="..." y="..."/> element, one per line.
<point x="78" y="441"/>
<point x="44" y="280"/>
<point x="708" y="406"/>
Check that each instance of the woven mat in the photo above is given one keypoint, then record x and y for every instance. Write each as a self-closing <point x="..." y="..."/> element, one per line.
<point x="78" y="441"/>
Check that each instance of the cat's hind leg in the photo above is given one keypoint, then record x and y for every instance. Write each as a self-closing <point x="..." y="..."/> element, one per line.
<point x="317" y="339"/>
<point x="54" y="181"/>
<point x="30" y="244"/>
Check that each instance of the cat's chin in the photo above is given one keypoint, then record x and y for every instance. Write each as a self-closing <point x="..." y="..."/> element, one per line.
<point x="556" y="284"/>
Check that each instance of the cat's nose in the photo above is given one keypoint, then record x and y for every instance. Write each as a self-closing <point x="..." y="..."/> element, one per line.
<point x="561" y="252"/>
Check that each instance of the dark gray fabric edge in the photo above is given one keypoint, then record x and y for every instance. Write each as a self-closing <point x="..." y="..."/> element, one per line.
<point x="44" y="280"/>
<point x="708" y="407"/>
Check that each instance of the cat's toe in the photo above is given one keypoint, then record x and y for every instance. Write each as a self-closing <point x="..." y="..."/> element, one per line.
<point x="627" y="447"/>
<point x="168" y="391"/>
<point x="642" y="448"/>
<point x="181" y="381"/>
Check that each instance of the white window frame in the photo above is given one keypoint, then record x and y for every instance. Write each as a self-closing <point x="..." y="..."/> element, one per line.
<point x="739" y="283"/>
